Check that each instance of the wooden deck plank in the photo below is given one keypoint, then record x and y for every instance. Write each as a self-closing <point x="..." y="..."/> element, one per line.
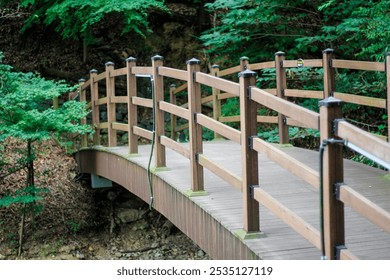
<point x="222" y="212"/>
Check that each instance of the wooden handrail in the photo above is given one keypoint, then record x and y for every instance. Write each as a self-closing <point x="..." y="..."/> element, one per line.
<point x="219" y="83"/>
<point x="289" y="109"/>
<point x="358" y="65"/>
<point x="289" y="217"/>
<point x="364" y="140"/>
<point x="364" y="206"/>
<point x="287" y="162"/>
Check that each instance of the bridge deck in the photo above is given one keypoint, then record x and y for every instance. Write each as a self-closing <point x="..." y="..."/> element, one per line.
<point x="223" y="203"/>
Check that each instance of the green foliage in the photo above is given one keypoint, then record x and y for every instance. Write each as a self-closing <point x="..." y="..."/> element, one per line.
<point x="25" y="114"/>
<point x="74" y="18"/>
<point x="24" y="109"/>
<point x="259" y="28"/>
<point x="27" y="195"/>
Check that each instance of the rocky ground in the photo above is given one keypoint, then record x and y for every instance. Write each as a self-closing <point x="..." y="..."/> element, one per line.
<point x="79" y="223"/>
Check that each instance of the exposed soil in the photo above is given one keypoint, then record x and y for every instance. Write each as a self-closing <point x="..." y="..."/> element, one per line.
<point x="76" y="221"/>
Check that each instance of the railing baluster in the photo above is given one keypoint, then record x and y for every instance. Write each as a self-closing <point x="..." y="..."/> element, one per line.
<point x="249" y="157"/>
<point x="387" y="69"/>
<point x="281" y="85"/>
<point x="333" y="173"/>
<point x="95" y="107"/>
<point x="111" y="107"/>
<point x="159" y="151"/>
<point x="195" y="130"/>
<point x="83" y="98"/>
<point x="216" y="101"/>
<point x="132" y="119"/>
<point x="329" y="73"/>
<point x="172" y="99"/>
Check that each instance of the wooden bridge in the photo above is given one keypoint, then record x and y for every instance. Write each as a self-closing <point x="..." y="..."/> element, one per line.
<point x="239" y="197"/>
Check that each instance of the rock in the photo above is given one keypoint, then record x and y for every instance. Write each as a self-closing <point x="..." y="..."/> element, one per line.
<point x="118" y="254"/>
<point x="67" y="248"/>
<point x="200" y="253"/>
<point x="129" y="215"/>
<point x="2" y="257"/>
<point x="80" y="255"/>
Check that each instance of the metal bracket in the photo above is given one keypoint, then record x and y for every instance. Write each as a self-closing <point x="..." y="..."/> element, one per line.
<point x="284" y="120"/>
<point x="252" y="190"/>
<point x="248" y="92"/>
<point x="250" y="141"/>
<point x="283" y="92"/>
<point x="330" y="62"/>
<point x="196" y="118"/>
<point x="338" y="251"/>
<point x="336" y="189"/>
<point x="197" y="157"/>
<point x="194" y="76"/>
<point x="336" y="125"/>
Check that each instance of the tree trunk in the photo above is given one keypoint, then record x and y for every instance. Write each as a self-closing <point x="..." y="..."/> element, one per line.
<point x="29" y="182"/>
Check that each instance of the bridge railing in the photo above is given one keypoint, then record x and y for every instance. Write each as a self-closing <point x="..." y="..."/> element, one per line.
<point x="333" y="129"/>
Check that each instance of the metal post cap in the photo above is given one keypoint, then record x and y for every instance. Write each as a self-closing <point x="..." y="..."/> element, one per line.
<point x="330" y="102"/>
<point x="172" y="85"/>
<point x="157" y="58"/>
<point x="215" y="66"/>
<point x="280" y="53"/>
<point x="247" y="73"/>
<point x="193" y="61"/>
<point x="82" y="81"/>
<point x="327" y="51"/>
<point x="131" y="59"/>
<point x="110" y="63"/>
<point x="93" y="71"/>
<point x="244" y="58"/>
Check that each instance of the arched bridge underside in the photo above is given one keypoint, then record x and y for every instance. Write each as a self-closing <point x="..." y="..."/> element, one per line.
<point x="211" y="220"/>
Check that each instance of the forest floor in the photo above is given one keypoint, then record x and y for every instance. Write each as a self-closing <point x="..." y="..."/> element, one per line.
<point x="75" y="221"/>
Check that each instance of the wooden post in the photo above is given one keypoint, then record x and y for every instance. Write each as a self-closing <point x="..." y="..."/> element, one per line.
<point x="388" y="93"/>
<point x="329" y="74"/>
<point x="244" y="63"/>
<point x="55" y="103"/>
<point x="132" y="119"/>
<point x="159" y="150"/>
<point x="333" y="173"/>
<point x="111" y="107"/>
<point x="216" y="101"/>
<point x="195" y="130"/>
<point x="172" y="99"/>
<point x="95" y="107"/>
<point x="249" y="157"/>
<point x="83" y="98"/>
<point x="281" y="85"/>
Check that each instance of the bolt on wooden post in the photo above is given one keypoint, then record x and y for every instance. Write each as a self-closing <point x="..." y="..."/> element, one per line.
<point x="333" y="173"/>
<point x="216" y="101"/>
<point x="172" y="100"/>
<point x="159" y="151"/>
<point x="111" y="107"/>
<point x="329" y="73"/>
<point x="83" y="98"/>
<point x="249" y="157"/>
<point x="195" y="130"/>
<point x="132" y="119"/>
<point x="281" y="85"/>
<point x="95" y="106"/>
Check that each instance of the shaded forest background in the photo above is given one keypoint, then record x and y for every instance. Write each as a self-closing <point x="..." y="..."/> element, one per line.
<point x="65" y="39"/>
